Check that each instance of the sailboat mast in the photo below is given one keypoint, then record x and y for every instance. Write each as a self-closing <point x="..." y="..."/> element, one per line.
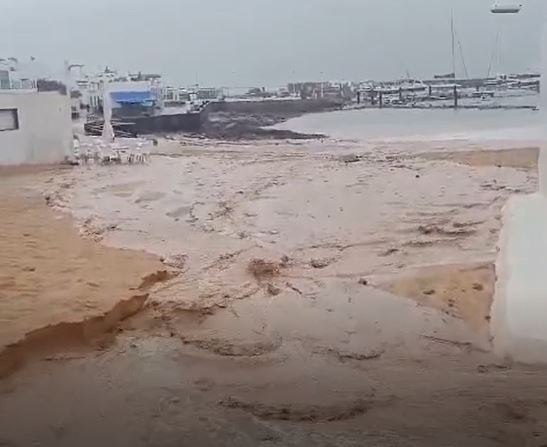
<point x="453" y="43"/>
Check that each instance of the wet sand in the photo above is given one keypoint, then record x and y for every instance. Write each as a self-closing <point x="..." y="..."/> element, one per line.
<point x="57" y="289"/>
<point x="524" y="158"/>
<point x="462" y="291"/>
<point x="327" y="295"/>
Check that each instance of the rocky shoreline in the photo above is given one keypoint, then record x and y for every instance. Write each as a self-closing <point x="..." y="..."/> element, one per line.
<point x="253" y="126"/>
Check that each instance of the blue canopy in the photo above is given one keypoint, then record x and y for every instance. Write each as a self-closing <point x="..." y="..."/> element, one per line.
<point x="128" y="97"/>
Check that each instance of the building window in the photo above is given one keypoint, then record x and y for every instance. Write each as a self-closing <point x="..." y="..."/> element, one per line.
<point x="9" y="120"/>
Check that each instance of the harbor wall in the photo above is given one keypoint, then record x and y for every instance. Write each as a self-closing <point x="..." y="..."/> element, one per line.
<point x="193" y="122"/>
<point x="277" y="106"/>
<point x="36" y="128"/>
<point x="182" y="122"/>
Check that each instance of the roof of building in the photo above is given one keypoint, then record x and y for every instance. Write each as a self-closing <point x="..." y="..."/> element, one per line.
<point x="129" y="97"/>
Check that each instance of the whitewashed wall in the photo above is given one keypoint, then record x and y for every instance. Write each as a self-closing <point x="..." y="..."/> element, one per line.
<point x="519" y="312"/>
<point x="45" y="128"/>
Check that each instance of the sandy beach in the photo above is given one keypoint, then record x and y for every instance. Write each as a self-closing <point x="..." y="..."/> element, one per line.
<point x="310" y="293"/>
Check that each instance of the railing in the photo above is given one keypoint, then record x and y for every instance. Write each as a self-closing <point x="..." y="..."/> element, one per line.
<point x="26" y="84"/>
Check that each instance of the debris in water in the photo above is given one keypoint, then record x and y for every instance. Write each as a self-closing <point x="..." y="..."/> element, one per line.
<point x="294" y="288"/>
<point x="261" y="269"/>
<point x="320" y="263"/>
<point x="300" y="413"/>
<point x="237" y="348"/>
<point x="350" y="158"/>
<point x="154" y="278"/>
<point x="273" y="290"/>
<point x="344" y="356"/>
<point x="176" y="261"/>
<point x="484" y="369"/>
<point x="389" y="252"/>
<point x="458" y="344"/>
<point x="459" y="230"/>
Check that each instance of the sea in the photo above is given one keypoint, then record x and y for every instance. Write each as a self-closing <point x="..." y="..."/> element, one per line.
<point x="427" y="125"/>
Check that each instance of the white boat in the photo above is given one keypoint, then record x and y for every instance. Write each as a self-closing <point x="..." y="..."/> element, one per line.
<point x="387" y="90"/>
<point x="413" y="87"/>
<point x="506" y="8"/>
<point x="445" y="86"/>
<point x="528" y="82"/>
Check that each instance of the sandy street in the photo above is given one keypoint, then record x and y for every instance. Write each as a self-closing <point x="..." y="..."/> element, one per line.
<point x="292" y="293"/>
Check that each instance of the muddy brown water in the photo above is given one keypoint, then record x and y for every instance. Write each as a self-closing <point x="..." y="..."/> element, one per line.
<point x="319" y="351"/>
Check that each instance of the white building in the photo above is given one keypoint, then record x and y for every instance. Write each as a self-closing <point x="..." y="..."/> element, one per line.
<point x="92" y="87"/>
<point x="35" y="128"/>
<point x="15" y="75"/>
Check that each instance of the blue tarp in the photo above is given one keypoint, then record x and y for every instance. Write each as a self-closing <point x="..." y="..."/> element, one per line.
<point x="140" y="97"/>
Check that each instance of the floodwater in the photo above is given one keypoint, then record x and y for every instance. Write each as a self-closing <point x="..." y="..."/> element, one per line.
<point x="371" y="320"/>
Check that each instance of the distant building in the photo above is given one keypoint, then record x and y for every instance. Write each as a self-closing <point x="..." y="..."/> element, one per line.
<point x="208" y="93"/>
<point x="319" y="90"/>
<point x="5" y="81"/>
<point x="152" y="78"/>
<point x="92" y="89"/>
<point x="176" y="96"/>
<point x="12" y="76"/>
<point x="75" y="104"/>
<point x="132" y="98"/>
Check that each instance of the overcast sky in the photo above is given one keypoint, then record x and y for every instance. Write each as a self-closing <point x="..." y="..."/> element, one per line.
<point x="269" y="42"/>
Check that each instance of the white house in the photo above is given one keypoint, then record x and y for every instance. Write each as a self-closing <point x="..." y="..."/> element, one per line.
<point x="35" y="128"/>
